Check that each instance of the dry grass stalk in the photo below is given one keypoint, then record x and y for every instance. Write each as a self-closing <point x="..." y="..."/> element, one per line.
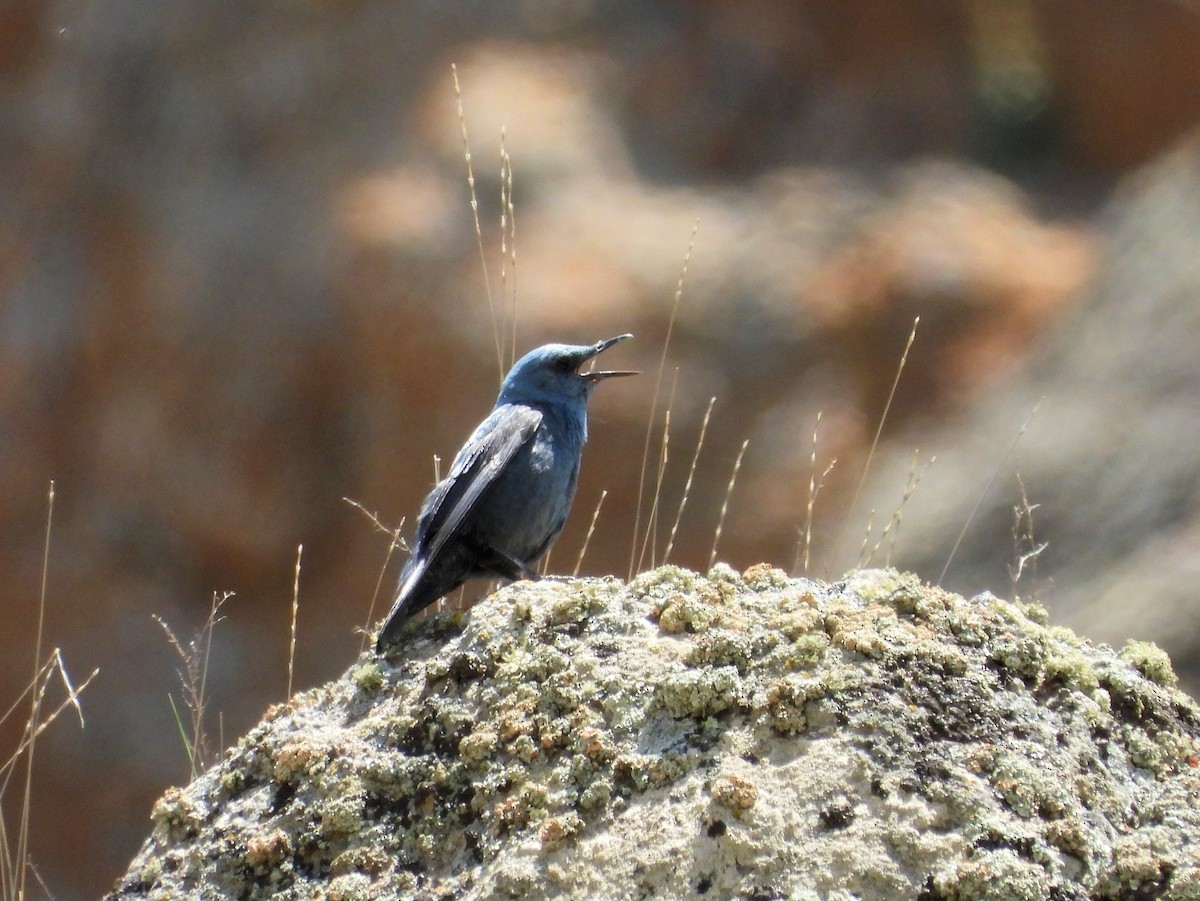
<point x="986" y="488"/>
<point x="737" y="464"/>
<point x="634" y="558"/>
<point x="395" y="542"/>
<point x="687" y="486"/>
<point x="893" y="526"/>
<point x="588" y="537"/>
<point x="193" y="678"/>
<point x="1025" y="549"/>
<point x="487" y="282"/>
<point x="912" y="335"/>
<point x="295" y="613"/>
<point x="815" y="485"/>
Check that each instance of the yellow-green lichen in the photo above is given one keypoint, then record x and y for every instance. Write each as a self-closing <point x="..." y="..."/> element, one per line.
<point x="1026" y="789"/>
<point x="1023" y="653"/>
<point x="719" y="647"/>
<point x="233" y="780"/>
<point x="763" y="577"/>
<point x="885" y="586"/>
<point x="699" y="693"/>
<point x="367" y="677"/>
<point x="999" y="875"/>
<point x="361" y="859"/>
<point x="719" y="713"/>
<point x="264" y="852"/>
<point x="596" y="794"/>
<point x="1071" y="667"/>
<point x="150" y="873"/>
<point x="1144" y="751"/>
<point x="799" y="620"/>
<point x="1036" y="612"/>
<point x="1151" y="661"/>
<point x="297" y="758"/>
<point x="342" y="814"/>
<point x="663" y="581"/>
<point x="678" y="613"/>
<point x="806" y="652"/>
<point x="526" y="805"/>
<point x="859" y="630"/>
<point x="645" y="771"/>
<point x="350" y="887"/>
<point x="478" y="744"/>
<point x="177" y="814"/>
<point x="574" y="606"/>
<point x="786" y="700"/>
<point x="725" y="579"/>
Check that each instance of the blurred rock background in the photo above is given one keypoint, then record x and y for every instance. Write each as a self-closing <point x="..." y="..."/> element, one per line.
<point x="240" y="280"/>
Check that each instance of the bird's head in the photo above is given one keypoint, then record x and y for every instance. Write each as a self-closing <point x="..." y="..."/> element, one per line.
<point x="555" y="372"/>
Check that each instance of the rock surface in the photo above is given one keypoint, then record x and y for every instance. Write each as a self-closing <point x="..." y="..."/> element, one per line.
<point x="728" y="736"/>
<point x="1111" y="458"/>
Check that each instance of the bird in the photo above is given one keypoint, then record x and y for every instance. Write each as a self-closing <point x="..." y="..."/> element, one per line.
<point x="509" y="489"/>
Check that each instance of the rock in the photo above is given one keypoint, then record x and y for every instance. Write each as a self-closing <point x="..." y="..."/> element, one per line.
<point x="1112" y="457"/>
<point x="241" y="281"/>
<point x="686" y="736"/>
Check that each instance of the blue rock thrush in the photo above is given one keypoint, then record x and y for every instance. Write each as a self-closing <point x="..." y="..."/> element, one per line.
<point x="509" y="489"/>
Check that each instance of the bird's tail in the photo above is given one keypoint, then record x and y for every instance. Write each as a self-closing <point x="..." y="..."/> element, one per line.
<point x="402" y="607"/>
<point x="422" y="582"/>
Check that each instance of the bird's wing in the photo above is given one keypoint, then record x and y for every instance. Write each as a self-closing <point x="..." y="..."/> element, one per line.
<point x="475" y="469"/>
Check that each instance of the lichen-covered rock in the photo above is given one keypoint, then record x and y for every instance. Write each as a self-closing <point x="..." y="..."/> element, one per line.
<point x="686" y="737"/>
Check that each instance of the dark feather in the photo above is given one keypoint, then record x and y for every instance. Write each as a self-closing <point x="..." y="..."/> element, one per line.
<point x="475" y="469"/>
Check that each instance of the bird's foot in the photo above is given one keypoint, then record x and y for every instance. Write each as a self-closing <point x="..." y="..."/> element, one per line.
<point x="507" y="566"/>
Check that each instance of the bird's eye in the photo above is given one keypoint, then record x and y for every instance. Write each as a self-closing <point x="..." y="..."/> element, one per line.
<point x="563" y="365"/>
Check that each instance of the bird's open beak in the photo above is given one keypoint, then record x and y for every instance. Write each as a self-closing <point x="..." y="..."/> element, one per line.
<point x="600" y="346"/>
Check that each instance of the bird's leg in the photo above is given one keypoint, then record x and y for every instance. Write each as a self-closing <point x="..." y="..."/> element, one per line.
<point x="506" y="566"/>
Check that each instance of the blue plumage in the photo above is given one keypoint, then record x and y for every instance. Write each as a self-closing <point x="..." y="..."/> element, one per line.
<point x="510" y="488"/>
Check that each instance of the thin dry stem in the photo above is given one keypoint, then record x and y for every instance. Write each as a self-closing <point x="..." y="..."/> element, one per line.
<point x="1023" y="539"/>
<point x="395" y="542"/>
<point x="460" y="599"/>
<point x="651" y="535"/>
<point x="737" y="464"/>
<point x="18" y="701"/>
<point x="487" y="282"/>
<point x="53" y="665"/>
<point x="814" y="488"/>
<point x="508" y="241"/>
<point x="862" y="553"/>
<point x="912" y="335"/>
<point x="15" y="862"/>
<point x="194" y="679"/>
<point x="35" y="706"/>
<point x="374" y="517"/>
<point x="634" y="559"/>
<point x="209" y="626"/>
<point x="899" y="515"/>
<point x="986" y="488"/>
<point x="687" y="486"/>
<point x="295" y="613"/>
<point x="588" y="537"/>
<point x="893" y="526"/>
<point x="21" y="858"/>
